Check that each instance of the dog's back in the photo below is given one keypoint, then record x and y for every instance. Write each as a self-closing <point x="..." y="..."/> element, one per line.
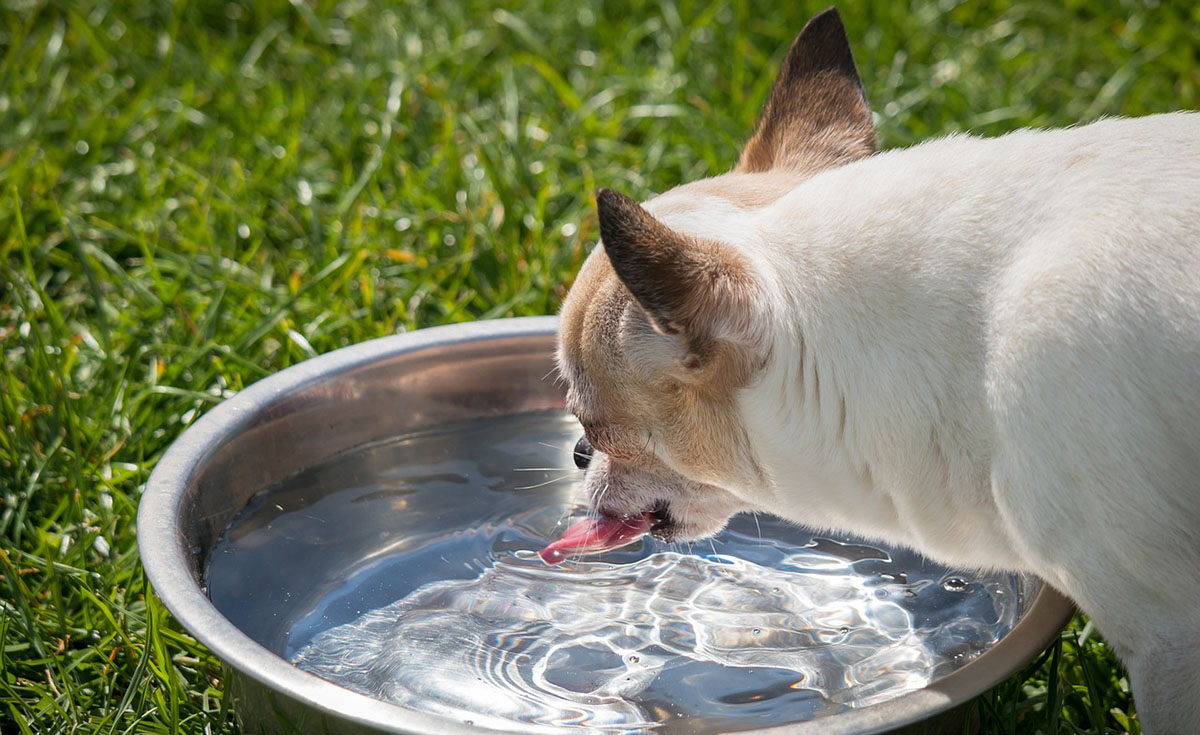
<point x="1094" y="387"/>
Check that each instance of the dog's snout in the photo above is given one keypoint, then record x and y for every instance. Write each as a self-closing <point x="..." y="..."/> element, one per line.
<point x="582" y="453"/>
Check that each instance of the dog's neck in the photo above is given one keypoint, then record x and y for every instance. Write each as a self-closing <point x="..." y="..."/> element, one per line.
<point x="888" y="439"/>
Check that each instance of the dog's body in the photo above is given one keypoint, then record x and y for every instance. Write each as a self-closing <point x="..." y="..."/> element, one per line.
<point x="986" y="349"/>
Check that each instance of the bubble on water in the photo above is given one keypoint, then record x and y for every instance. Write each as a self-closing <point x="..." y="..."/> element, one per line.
<point x="955" y="584"/>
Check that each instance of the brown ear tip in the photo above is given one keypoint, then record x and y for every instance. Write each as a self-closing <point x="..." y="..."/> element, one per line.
<point x="609" y="197"/>
<point x="614" y="215"/>
<point x="828" y="20"/>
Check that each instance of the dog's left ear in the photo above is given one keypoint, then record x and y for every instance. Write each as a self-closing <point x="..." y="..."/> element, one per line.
<point x="817" y="114"/>
<point x="697" y="289"/>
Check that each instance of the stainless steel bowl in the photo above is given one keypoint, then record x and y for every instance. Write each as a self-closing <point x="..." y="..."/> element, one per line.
<point x="332" y="403"/>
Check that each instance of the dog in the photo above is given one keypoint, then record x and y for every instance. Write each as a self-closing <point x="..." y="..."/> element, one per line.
<point x="987" y="350"/>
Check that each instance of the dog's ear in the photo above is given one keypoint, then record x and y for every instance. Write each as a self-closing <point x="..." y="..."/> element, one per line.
<point x="698" y="289"/>
<point x="817" y="114"/>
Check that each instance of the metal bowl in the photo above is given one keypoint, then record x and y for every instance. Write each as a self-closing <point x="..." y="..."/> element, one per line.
<point x="431" y="377"/>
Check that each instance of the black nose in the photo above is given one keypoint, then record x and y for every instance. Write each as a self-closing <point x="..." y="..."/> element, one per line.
<point x="583" y="453"/>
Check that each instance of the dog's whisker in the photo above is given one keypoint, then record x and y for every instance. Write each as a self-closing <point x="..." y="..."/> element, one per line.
<point x="595" y="506"/>
<point x="542" y="484"/>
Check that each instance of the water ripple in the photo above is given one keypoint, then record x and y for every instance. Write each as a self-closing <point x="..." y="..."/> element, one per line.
<point x="576" y="646"/>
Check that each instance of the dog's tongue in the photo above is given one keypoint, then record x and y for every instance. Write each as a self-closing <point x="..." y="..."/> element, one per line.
<point x="595" y="536"/>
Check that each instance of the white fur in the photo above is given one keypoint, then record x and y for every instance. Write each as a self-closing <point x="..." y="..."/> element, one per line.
<point x="1013" y="328"/>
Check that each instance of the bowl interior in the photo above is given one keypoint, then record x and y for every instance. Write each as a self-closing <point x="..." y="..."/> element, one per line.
<point x="325" y="407"/>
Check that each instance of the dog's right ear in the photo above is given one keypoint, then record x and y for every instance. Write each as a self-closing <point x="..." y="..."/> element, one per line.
<point x="817" y="114"/>
<point x="699" y="290"/>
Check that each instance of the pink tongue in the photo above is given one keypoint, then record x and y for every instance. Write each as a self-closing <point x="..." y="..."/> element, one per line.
<point x="595" y="536"/>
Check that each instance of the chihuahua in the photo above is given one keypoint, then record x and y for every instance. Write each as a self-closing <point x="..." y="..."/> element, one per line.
<point x="987" y="350"/>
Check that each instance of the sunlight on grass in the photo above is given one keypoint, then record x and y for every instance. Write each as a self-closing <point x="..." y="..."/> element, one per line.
<point x="196" y="195"/>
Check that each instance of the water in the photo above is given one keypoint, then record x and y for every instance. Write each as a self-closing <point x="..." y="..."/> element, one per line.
<point x="407" y="571"/>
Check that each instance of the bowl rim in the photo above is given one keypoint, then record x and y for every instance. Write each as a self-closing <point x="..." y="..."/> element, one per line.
<point x="165" y="559"/>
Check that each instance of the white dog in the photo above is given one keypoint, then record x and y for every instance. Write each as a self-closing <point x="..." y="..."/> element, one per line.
<point x="985" y="349"/>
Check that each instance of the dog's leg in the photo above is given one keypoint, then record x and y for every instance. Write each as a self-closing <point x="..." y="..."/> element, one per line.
<point x="1165" y="675"/>
<point x="1157" y="638"/>
<point x="1095" y="468"/>
<point x="1149" y="612"/>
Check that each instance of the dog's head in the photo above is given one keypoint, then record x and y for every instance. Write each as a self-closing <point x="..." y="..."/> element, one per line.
<point x="669" y="320"/>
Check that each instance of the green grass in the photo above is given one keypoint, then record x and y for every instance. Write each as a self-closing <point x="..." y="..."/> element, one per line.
<point x="194" y="195"/>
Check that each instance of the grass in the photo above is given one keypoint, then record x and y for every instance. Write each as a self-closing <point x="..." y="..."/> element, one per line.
<point x="194" y="195"/>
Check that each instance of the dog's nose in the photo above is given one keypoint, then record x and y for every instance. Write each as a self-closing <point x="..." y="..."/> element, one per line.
<point x="583" y="453"/>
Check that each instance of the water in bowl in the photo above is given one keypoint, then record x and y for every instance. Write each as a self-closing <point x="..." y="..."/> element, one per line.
<point x="406" y="570"/>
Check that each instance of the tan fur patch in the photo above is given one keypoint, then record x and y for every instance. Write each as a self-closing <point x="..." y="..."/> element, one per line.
<point x="688" y="412"/>
<point x="746" y="190"/>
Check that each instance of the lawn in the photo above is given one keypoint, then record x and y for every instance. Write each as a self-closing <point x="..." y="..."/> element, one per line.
<point x="194" y="195"/>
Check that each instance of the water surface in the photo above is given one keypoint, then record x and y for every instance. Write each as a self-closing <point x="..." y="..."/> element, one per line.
<point x="406" y="571"/>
